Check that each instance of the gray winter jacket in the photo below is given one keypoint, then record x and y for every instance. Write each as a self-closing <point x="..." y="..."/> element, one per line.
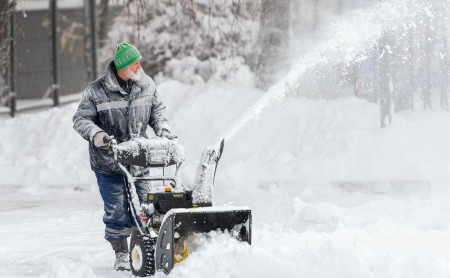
<point x="106" y="107"/>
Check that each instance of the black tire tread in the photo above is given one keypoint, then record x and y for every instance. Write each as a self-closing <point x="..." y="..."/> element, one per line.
<point x="148" y="264"/>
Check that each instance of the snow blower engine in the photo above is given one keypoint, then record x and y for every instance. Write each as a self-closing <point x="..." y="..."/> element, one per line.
<point x="170" y="215"/>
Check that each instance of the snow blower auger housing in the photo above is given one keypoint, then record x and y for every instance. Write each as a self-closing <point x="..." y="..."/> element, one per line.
<point x="172" y="214"/>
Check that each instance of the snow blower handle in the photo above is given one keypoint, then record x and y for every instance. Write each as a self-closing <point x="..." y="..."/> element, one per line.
<point x="167" y="134"/>
<point x="109" y="140"/>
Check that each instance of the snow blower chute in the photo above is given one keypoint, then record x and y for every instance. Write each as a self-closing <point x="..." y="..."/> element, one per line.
<point x="171" y="214"/>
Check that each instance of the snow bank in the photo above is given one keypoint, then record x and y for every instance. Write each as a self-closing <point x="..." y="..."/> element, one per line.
<point x="305" y="141"/>
<point x="42" y="151"/>
<point x="295" y="141"/>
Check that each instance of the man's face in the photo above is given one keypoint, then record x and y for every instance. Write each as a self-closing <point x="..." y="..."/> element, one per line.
<point x="132" y="71"/>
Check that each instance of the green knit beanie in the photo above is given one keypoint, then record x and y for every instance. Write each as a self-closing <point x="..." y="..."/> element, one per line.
<point x="125" y="55"/>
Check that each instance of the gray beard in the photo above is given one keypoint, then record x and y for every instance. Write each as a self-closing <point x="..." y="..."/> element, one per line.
<point x="133" y="76"/>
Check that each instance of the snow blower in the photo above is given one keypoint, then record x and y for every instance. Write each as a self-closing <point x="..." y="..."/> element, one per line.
<point x="172" y="213"/>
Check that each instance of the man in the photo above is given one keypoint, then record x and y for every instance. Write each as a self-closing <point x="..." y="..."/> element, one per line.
<point x="121" y="103"/>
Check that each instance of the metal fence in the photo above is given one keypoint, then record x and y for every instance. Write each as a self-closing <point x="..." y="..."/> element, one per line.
<point x="52" y="53"/>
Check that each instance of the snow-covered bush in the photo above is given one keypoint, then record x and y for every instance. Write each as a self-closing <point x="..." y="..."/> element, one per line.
<point x="191" y="41"/>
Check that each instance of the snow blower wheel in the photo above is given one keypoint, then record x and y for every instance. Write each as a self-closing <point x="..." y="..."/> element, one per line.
<point x="142" y="256"/>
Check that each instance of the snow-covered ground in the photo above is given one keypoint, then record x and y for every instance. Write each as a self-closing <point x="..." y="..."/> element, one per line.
<point x="332" y="194"/>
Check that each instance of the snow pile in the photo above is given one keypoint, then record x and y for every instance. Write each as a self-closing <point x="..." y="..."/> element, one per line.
<point x="43" y="151"/>
<point x="332" y="141"/>
<point x="223" y="248"/>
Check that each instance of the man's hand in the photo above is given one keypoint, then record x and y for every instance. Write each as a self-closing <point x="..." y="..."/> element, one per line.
<point x="98" y="139"/>
<point x="165" y="133"/>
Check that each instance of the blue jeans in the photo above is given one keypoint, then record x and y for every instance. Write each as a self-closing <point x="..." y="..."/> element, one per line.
<point x="117" y="217"/>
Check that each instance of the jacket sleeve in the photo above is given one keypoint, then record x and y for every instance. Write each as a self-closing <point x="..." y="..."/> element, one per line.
<point x="158" y="120"/>
<point x="84" y="117"/>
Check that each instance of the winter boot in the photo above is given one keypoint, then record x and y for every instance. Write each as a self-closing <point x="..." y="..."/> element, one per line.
<point x="120" y="246"/>
<point x="122" y="261"/>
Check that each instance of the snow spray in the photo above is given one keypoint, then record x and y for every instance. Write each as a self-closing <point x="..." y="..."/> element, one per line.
<point x="344" y="42"/>
<point x="276" y="92"/>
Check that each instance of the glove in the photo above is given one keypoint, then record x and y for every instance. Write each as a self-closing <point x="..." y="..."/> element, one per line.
<point x="98" y="139"/>
<point x="165" y="133"/>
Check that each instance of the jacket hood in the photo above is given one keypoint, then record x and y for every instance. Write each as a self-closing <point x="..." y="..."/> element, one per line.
<point x="113" y="85"/>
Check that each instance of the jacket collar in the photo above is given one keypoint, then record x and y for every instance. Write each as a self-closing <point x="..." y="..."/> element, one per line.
<point x="112" y="84"/>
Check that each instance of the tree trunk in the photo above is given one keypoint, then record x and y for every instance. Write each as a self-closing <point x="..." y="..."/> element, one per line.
<point x="90" y="56"/>
<point x="411" y="69"/>
<point x="385" y="80"/>
<point x="339" y="7"/>
<point x="315" y="22"/>
<point x="426" y="94"/>
<point x="6" y="7"/>
<point x="272" y="41"/>
<point x="102" y="22"/>
<point x="87" y="42"/>
<point x="445" y="59"/>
